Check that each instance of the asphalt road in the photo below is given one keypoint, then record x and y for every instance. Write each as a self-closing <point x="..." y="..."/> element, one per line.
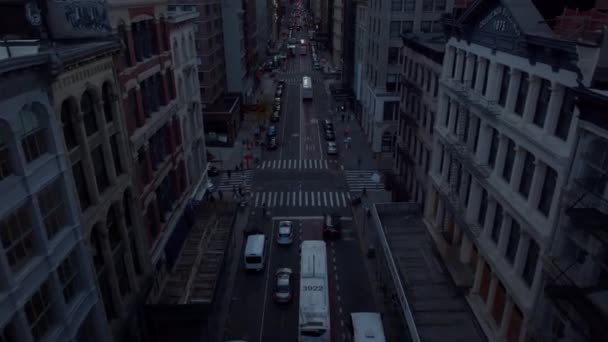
<point x="301" y="194"/>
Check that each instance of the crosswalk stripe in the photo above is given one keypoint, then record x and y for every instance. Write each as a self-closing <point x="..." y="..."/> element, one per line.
<point x="331" y="200"/>
<point x="324" y="198"/>
<point x="319" y="197"/>
<point x="306" y="199"/>
<point x="263" y="197"/>
<point x="300" y="198"/>
<point x="343" y="199"/>
<point x="257" y="195"/>
<point x="325" y="164"/>
<point x="293" y="198"/>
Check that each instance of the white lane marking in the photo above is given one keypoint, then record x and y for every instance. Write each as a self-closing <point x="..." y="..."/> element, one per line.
<point x="263" y="198"/>
<point x="306" y="199"/>
<point x="266" y="287"/>
<point x="324" y="198"/>
<point x="326" y="164"/>
<point x="343" y="200"/>
<point x="293" y="198"/>
<point x="257" y="198"/>
<point x="300" y="198"/>
<point x="331" y="199"/>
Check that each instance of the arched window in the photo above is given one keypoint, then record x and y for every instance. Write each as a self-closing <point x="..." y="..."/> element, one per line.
<point x="113" y="229"/>
<point x="87" y="106"/>
<point x="68" y="111"/>
<point x="108" y="101"/>
<point x="33" y="131"/>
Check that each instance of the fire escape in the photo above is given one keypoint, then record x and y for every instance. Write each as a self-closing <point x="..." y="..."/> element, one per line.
<point x="583" y="305"/>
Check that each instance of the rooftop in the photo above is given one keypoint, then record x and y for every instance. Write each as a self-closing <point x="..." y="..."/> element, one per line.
<point x="439" y="309"/>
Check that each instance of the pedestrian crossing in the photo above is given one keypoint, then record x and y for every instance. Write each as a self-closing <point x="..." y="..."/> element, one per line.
<point x="237" y="179"/>
<point x="368" y="179"/>
<point x="297" y="78"/>
<point x="297" y="164"/>
<point x="327" y="199"/>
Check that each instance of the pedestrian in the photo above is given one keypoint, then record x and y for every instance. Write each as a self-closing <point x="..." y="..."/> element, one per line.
<point x="220" y="194"/>
<point x="229" y="173"/>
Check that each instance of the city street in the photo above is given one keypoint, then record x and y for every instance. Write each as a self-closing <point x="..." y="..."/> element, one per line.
<point x="299" y="182"/>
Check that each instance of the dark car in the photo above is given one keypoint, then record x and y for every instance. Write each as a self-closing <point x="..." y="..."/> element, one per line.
<point x="330" y="135"/>
<point x="272" y="131"/>
<point x="271" y="144"/>
<point x="281" y="83"/>
<point x="331" y="226"/>
<point x="275" y="117"/>
<point x="327" y="124"/>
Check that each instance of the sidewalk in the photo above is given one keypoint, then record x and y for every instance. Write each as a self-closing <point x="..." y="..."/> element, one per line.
<point x="231" y="157"/>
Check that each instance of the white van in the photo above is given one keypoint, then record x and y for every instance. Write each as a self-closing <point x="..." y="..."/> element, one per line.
<point x="366" y="327"/>
<point x="254" y="252"/>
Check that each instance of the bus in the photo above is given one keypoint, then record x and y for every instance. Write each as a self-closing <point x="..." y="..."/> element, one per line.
<point x="366" y="327"/>
<point x="314" y="319"/>
<point x="306" y="88"/>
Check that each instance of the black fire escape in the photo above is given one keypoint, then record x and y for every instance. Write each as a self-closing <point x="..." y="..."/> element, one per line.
<point x="588" y="212"/>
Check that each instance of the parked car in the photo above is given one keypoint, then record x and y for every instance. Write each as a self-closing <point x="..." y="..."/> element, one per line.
<point x="332" y="148"/>
<point x="330" y="135"/>
<point x="271" y="144"/>
<point x="277" y="100"/>
<point x="327" y="124"/>
<point x="281" y="83"/>
<point x="282" y="285"/>
<point x="272" y="131"/>
<point x="285" y="235"/>
<point x="332" y="228"/>
<point x="275" y="117"/>
<point x="277" y="106"/>
<point x="278" y="93"/>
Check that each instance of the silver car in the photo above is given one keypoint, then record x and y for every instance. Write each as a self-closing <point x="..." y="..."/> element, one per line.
<point x="282" y="286"/>
<point x="332" y="148"/>
<point x="285" y="235"/>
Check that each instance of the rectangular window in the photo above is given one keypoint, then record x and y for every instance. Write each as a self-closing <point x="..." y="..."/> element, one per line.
<point x="52" y="208"/>
<point x="441" y="159"/>
<point x="483" y="208"/>
<point x="522" y="94"/>
<point x="565" y="116"/>
<point x="101" y="175"/>
<point x="475" y="132"/>
<point x="504" y="85"/>
<point x="439" y="5"/>
<point x="530" y="265"/>
<point x="395" y="29"/>
<point x="68" y="276"/>
<point x="427" y="5"/>
<point x="493" y="149"/>
<point x="396" y="5"/>
<point x="447" y="114"/>
<point x="468" y="179"/>
<point x="38" y="313"/>
<point x="509" y="159"/>
<point x="409" y="5"/>
<point x="393" y="55"/>
<point x="436" y="90"/>
<point x="407" y="26"/>
<point x="484" y="86"/>
<point x="526" y="176"/>
<point x="473" y="75"/>
<point x="513" y="241"/>
<point x="425" y="26"/>
<point x="546" y="195"/>
<point x="542" y="103"/>
<point x="466" y="123"/>
<point x="17" y="239"/>
<point x="497" y="224"/>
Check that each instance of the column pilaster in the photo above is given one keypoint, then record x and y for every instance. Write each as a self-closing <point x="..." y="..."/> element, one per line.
<point x="493" y="79"/>
<point x="506" y="317"/>
<point x="468" y="71"/>
<point x="514" y="81"/>
<point x="491" y="293"/>
<point x="501" y="154"/>
<point x="453" y="113"/>
<point x="474" y="202"/>
<point x="449" y="58"/>
<point x="460" y="60"/>
<point x="540" y="170"/>
<point x="531" y="98"/>
<point x="481" y="74"/>
<point x="483" y="145"/>
<point x="518" y="164"/>
<point x="554" y="108"/>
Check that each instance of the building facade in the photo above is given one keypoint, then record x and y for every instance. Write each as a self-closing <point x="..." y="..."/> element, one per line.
<point x="503" y="138"/>
<point x="380" y="65"/>
<point x="86" y="100"/>
<point x="209" y="43"/>
<point x="149" y="96"/>
<point x="420" y="59"/>
<point x="235" y="46"/>
<point x="49" y="288"/>
<point x="337" y="33"/>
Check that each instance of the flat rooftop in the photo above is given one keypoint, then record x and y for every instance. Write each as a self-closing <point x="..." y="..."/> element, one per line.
<point x="438" y="307"/>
